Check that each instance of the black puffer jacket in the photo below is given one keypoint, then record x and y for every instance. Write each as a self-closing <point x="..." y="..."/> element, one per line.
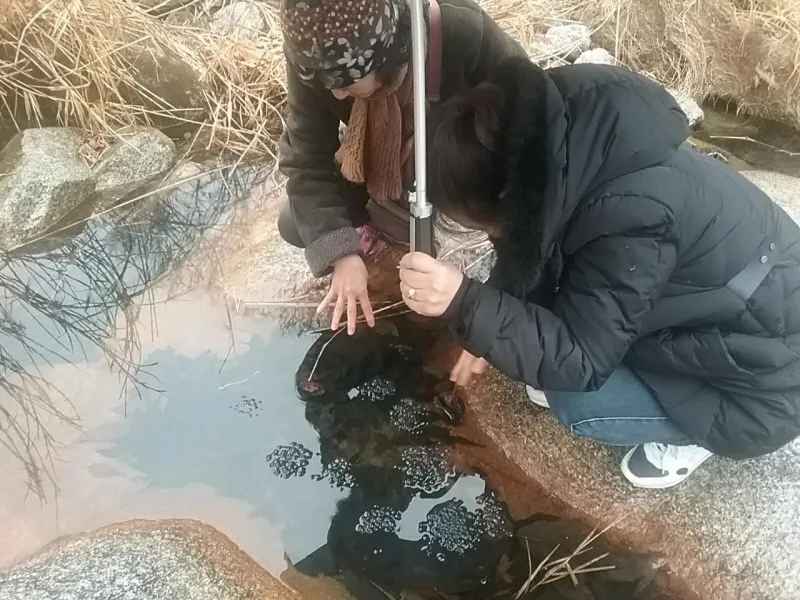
<point x="622" y="248"/>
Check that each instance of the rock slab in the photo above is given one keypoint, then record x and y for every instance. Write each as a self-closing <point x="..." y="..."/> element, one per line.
<point x="138" y="155"/>
<point x="143" y="560"/>
<point x="42" y="178"/>
<point x="596" y="56"/>
<point x="689" y="106"/>
<point x="730" y="532"/>
<point x="568" y="41"/>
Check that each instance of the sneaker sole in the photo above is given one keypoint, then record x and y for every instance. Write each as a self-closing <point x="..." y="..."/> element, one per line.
<point x="641" y="483"/>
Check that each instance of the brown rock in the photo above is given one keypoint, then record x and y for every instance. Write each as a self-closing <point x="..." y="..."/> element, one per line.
<point x="149" y="560"/>
<point x="729" y="532"/>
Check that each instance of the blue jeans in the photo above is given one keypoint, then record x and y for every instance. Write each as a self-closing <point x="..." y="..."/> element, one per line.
<point x="621" y="413"/>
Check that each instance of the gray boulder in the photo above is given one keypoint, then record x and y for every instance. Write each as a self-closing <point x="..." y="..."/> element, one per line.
<point x="689" y="106"/>
<point x="568" y="41"/>
<point x="169" y="87"/>
<point x="470" y="251"/>
<point x="143" y="560"/>
<point x="135" y="159"/>
<point x="240" y="20"/>
<point x="596" y="56"/>
<point x="42" y="178"/>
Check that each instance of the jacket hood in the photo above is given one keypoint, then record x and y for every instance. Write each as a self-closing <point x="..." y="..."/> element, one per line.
<point x="569" y="131"/>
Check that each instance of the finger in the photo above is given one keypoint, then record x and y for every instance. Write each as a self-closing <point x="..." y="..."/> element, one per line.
<point x="478" y="366"/>
<point x="326" y="301"/>
<point x="463" y="359"/>
<point x="419" y="295"/>
<point x="457" y="372"/>
<point x="415" y="279"/>
<point x="417" y="307"/>
<point x="337" y="312"/>
<point x="352" y="314"/>
<point x="366" y="308"/>
<point x="464" y="379"/>
<point x="461" y="376"/>
<point x="417" y="261"/>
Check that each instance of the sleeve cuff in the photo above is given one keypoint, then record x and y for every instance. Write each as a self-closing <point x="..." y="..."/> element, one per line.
<point x="323" y="252"/>
<point x="473" y="316"/>
<point x="453" y="311"/>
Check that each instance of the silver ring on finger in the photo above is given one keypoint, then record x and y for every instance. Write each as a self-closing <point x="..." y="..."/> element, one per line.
<point x="411" y="293"/>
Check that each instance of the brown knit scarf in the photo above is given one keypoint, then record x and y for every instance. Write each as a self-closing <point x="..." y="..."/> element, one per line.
<point x="371" y="152"/>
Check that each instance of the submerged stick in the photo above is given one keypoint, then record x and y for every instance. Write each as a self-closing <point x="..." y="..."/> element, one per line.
<point x="744" y="138"/>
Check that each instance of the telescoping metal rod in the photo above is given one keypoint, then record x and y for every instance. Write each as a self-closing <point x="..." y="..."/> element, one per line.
<point x="421" y="234"/>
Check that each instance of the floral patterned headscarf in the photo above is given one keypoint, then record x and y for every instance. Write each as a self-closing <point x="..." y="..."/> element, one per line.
<point x="334" y="43"/>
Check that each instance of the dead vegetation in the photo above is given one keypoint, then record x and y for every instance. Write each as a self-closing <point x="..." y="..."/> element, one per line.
<point x="745" y="51"/>
<point x="104" y="64"/>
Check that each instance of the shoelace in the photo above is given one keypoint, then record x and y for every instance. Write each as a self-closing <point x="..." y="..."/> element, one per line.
<point x="671" y="458"/>
<point x="657" y="454"/>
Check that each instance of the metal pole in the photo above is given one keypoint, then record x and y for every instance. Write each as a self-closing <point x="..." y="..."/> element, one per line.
<point x="421" y="234"/>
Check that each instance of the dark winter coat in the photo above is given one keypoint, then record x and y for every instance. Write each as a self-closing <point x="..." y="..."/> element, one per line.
<point x="472" y="47"/>
<point x="628" y="240"/>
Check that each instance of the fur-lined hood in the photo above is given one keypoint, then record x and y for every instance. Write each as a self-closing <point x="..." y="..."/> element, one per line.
<point x="568" y="131"/>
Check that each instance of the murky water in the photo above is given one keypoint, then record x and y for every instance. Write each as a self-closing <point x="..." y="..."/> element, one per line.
<point x="142" y="396"/>
<point x="762" y="144"/>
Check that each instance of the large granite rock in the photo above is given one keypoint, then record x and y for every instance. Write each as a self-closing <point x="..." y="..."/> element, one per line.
<point x="783" y="189"/>
<point x="42" y="178"/>
<point x="169" y="86"/>
<point x="596" y="56"/>
<point x="689" y="106"/>
<point x="143" y="560"/>
<point x="732" y="531"/>
<point x="568" y="41"/>
<point x="139" y="155"/>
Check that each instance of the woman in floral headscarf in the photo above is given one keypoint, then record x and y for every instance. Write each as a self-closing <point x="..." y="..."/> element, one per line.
<point x="348" y="62"/>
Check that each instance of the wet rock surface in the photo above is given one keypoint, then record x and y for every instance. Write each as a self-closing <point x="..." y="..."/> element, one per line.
<point x="42" y="178"/>
<point x="145" y="560"/>
<point x="730" y="531"/>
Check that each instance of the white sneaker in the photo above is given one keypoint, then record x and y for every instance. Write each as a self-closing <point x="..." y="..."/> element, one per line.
<point x="661" y="466"/>
<point x="537" y="397"/>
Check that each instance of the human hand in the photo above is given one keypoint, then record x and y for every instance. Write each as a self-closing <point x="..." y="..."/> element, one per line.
<point x="348" y="289"/>
<point x="428" y="285"/>
<point x="466" y="366"/>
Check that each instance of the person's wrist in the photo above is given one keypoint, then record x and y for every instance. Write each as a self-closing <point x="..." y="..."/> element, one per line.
<point x="344" y="260"/>
<point x="453" y="309"/>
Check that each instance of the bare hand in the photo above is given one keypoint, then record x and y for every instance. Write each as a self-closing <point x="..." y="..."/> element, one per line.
<point x="348" y="290"/>
<point x="428" y="285"/>
<point x="467" y="366"/>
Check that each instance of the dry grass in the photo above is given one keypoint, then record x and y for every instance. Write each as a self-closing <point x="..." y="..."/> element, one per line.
<point x="747" y="51"/>
<point x="105" y="64"/>
<point x="744" y="50"/>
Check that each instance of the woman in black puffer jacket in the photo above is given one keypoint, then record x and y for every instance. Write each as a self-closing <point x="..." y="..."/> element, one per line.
<point x="652" y="292"/>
